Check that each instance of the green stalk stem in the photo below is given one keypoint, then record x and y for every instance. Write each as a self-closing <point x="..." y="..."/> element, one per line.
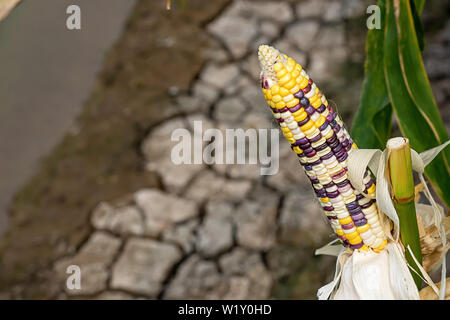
<point x="402" y="182"/>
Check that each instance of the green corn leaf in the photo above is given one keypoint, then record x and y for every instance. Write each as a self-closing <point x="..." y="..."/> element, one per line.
<point x="410" y="92"/>
<point x="372" y="123"/>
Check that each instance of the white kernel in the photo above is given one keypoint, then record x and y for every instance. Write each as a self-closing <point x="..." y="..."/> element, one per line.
<point x="288" y="98"/>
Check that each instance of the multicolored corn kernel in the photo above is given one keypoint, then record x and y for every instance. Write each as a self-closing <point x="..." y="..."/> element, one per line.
<point x="318" y="136"/>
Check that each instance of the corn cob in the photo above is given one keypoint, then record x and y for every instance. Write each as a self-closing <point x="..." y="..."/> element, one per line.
<point x="318" y="137"/>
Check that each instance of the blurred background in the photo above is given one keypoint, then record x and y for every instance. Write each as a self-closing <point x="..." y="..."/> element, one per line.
<point x="86" y="118"/>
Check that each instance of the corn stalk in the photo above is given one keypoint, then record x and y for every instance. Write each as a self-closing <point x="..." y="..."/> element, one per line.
<point x="403" y="193"/>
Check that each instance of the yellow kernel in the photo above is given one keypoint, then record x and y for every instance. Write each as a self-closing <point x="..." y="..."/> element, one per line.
<point x="277" y="66"/>
<point x="355" y="240"/>
<point x="276" y="98"/>
<point x="284" y="92"/>
<point x="320" y="121"/>
<point x="285" y="129"/>
<point x="311" y="131"/>
<point x="281" y="73"/>
<point x="325" y="103"/>
<point x="371" y="189"/>
<point x="285" y="79"/>
<point x="364" y="248"/>
<point x="295" y="89"/>
<point x="381" y="246"/>
<point x="298" y="67"/>
<point x="339" y="232"/>
<point x="290" y="68"/>
<point x="354" y="146"/>
<point x="325" y="199"/>
<point x="291" y="62"/>
<point x="303" y="83"/>
<point x="300" y="117"/>
<point x="297" y="150"/>
<point x="272" y="104"/>
<point x="295" y="73"/>
<point x="307" y="126"/>
<point x="268" y="95"/>
<point x="288" y="135"/>
<point x="290" y="84"/>
<point x="329" y="134"/>
<point x="352" y="235"/>
<point x="346" y="220"/>
<point x="292" y="103"/>
<point x="313" y="99"/>
<point x="316" y="104"/>
<point x="275" y="89"/>
<point x="280" y="105"/>
<point x="363" y="228"/>
<point x="298" y="112"/>
<point x="291" y="140"/>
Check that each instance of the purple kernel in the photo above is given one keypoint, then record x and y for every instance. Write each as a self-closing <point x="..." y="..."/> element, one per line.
<point x="359" y="197"/>
<point x="355" y="210"/>
<point x="329" y="185"/>
<point x="336" y="128"/>
<point x="342" y="183"/>
<point x="315" y="163"/>
<point x="299" y="94"/>
<point x="356" y="246"/>
<point x="307" y="89"/>
<point x="280" y="120"/>
<point x="308" y="150"/>
<point x="352" y="205"/>
<point x="304" y="102"/>
<point x="358" y="216"/>
<point x="321" y="108"/>
<point x="310" y="110"/>
<point x="333" y="144"/>
<point x="332" y="139"/>
<point x="342" y="158"/>
<point x="348" y="226"/>
<point x="369" y="184"/>
<point x="316" y="138"/>
<point x="300" y="123"/>
<point x="302" y="141"/>
<point x="333" y="194"/>
<point x="321" y="147"/>
<point x="367" y="205"/>
<point x="361" y="222"/>
<point x="308" y="167"/>
<point x="345" y="143"/>
<point x="337" y="148"/>
<point x="311" y="154"/>
<point x="284" y="109"/>
<point x="327" y="156"/>
<point x="295" y="108"/>
<point x="338" y="175"/>
<point x="324" y="126"/>
<point x="328" y="208"/>
<point x="339" y="154"/>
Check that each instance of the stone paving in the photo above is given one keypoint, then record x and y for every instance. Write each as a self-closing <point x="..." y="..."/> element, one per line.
<point x="222" y="231"/>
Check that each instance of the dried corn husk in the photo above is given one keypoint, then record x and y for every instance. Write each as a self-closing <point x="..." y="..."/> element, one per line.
<point x="428" y="293"/>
